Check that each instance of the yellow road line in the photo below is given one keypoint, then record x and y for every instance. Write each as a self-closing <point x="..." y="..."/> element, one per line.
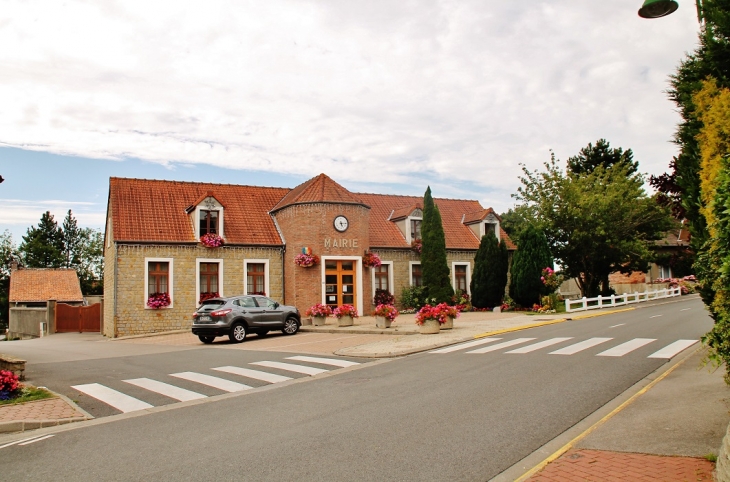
<point x="616" y="410"/>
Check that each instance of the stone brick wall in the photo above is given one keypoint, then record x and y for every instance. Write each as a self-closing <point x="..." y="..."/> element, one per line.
<point x="132" y="316"/>
<point x="311" y="225"/>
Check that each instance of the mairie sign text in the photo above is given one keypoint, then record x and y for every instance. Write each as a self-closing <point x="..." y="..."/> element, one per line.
<point x="340" y="243"/>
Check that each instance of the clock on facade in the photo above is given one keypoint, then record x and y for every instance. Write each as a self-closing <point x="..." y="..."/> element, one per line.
<point x="341" y="223"/>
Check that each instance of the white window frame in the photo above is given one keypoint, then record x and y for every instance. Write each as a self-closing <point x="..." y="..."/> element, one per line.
<point x="390" y="278"/>
<point x="409" y="237"/>
<point x="202" y="207"/>
<point x="483" y="229"/>
<point x="410" y="272"/>
<point x="454" y="264"/>
<point x="170" y="281"/>
<point x="198" y="261"/>
<point x="358" y="274"/>
<point x="265" y="262"/>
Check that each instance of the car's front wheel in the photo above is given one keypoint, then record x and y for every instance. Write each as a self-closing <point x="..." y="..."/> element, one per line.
<point x="206" y="339"/>
<point x="238" y="333"/>
<point x="291" y="326"/>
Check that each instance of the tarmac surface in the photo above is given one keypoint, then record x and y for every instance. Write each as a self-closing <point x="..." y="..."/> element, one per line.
<point x="666" y="431"/>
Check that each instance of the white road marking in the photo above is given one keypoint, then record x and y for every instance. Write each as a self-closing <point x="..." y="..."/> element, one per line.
<point x="19" y="441"/>
<point x="123" y="403"/>
<point x="255" y="374"/>
<point x="629" y="346"/>
<point x="215" y="382"/>
<point x="542" y="344"/>
<point x="325" y="361"/>
<point x="655" y="316"/>
<point x="620" y="324"/>
<point x="577" y="347"/>
<point x="672" y="349"/>
<point x="499" y="346"/>
<point x="463" y="346"/>
<point x="37" y="440"/>
<point x="290" y="367"/>
<point x="166" y="389"/>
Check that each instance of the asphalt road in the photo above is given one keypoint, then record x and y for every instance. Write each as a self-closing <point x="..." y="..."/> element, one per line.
<point x="430" y="416"/>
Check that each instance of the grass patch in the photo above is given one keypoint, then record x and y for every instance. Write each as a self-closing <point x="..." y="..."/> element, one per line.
<point x="28" y="394"/>
<point x="711" y="457"/>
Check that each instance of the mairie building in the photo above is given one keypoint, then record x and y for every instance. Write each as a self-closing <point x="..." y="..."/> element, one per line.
<point x="153" y="245"/>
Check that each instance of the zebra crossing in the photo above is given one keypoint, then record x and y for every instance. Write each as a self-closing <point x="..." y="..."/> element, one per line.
<point x="126" y="403"/>
<point x="575" y="346"/>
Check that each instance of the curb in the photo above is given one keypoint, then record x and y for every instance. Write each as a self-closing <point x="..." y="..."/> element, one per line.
<point x="149" y="335"/>
<point x="23" y="425"/>
<point x="357" y="331"/>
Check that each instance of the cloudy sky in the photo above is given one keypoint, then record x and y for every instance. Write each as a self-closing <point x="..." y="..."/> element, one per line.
<point x="383" y="96"/>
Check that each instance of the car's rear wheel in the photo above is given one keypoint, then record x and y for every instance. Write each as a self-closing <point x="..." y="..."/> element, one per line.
<point x="291" y="326"/>
<point x="206" y="339"/>
<point x="238" y="333"/>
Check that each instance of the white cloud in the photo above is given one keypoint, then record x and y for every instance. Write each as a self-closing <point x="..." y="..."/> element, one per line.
<point x="374" y="91"/>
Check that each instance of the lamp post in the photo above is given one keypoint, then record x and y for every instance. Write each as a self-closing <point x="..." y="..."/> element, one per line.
<point x="660" y="8"/>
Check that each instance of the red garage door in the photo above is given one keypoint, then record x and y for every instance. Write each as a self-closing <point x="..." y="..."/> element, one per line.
<point x="78" y="318"/>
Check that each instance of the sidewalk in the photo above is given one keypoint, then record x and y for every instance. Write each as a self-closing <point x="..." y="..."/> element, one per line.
<point x="39" y="414"/>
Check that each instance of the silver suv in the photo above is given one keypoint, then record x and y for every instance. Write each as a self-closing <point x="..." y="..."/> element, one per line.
<point x="238" y="315"/>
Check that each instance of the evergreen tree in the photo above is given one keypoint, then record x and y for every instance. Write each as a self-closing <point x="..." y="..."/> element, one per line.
<point x="434" y="267"/>
<point x="8" y="253"/>
<point x="602" y="154"/>
<point x="42" y="246"/>
<point x="531" y="257"/>
<point x="72" y="241"/>
<point x="490" y="273"/>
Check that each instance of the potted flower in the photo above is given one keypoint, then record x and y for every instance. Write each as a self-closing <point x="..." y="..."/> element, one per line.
<point x="158" y="300"/>
<point x="345" y="315"/>
<point x="211" y="240"/>
<point x="429" y="319"/>
<point x="304" y="260"/>
<point x="450" y="313"/>
<point x="371" y="260"/>
<point x="319" y="314"/>
<point x="385" y="315"/>
<point x="417" y="245"/>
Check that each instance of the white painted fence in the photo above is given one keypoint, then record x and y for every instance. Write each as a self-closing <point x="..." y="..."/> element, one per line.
<point x="618" y="300"/>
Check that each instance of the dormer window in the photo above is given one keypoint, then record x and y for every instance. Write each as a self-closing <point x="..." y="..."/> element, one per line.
<point x="492" y="228"/>
<point x="208" y="222"/>
<point x="415" y="228"/>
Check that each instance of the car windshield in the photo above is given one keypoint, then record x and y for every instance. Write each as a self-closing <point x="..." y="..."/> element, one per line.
<point x="209" y="305"/>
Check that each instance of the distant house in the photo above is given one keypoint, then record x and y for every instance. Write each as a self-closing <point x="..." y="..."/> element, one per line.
<point x="32" y="288"/>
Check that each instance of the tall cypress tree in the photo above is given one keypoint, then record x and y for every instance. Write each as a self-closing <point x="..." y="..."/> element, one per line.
<point x="434" y="267"/>
<point x="531" y="257"/>
<point x="490" y="273"/>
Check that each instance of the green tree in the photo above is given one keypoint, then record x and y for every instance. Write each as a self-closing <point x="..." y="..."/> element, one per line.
<point x="514" y="221"/>
<point x="596" y="223"/>
<point x="531" y="257"/>
<point x="602" y="154"/>
<point x="8" y="253"/>
<point x="90" y="266"/>
<point x="434" y="267"/>
<point x="72" y="240"/>
<point x="489" y="278"/>
<point x="42" y="246"/>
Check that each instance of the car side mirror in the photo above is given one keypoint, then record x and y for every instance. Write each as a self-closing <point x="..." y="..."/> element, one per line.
<point x="276" y="305"/>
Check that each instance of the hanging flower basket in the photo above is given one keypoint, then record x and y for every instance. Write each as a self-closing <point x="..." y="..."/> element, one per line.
<point x="211" y="240"/>
<point x="158" y="300"/>
<point x="417" y="245"/>
<point x="371" y="260"/>
<point x="207" y="296"/>
<point x="306" y="260"/>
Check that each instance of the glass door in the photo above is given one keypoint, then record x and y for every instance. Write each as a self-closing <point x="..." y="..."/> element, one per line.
<point x="339" y="283"/>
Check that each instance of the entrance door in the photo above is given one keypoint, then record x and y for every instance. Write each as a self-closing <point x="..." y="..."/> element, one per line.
<point x="340" y="282"/>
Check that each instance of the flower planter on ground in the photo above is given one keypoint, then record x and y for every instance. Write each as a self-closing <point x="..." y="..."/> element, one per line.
<point x="319" y="320"/>
<point x="319" y="314"/>
<point x="382" y="322"/>
<point x="345" y="315"/>
<point x="449" y="323"/>
<point x="345" y="321"/>
<point x="429" y="327"/>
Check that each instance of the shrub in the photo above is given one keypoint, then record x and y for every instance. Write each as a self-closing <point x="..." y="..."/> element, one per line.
<point x="531" y="257"/>
<point x="383" y="297"/>
<point x="490" y="272"/>
<point x="413" y="297"/>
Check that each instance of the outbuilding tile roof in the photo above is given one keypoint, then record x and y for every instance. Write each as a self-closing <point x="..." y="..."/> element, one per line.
<point x="320" y="189"/>
<point x="145" y="210"/>
<point x="36" y="285"/>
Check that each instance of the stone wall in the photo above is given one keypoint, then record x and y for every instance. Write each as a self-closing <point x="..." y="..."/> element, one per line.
<point x="131" y="316"/>
<point x="26" y="322"/>
<point x="722" y="469"/>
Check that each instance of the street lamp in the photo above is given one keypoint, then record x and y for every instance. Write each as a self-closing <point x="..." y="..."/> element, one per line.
<point x="660" y="8"/>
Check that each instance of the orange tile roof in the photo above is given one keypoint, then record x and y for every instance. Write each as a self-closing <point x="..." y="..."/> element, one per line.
<point x="320" y="189"/>
<point x="44" y="284"/>
<point x="155" y="211"/>
<point x="145" y="210"/>
<point x="480" y="215"/>
<point x="404" y="212"/>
